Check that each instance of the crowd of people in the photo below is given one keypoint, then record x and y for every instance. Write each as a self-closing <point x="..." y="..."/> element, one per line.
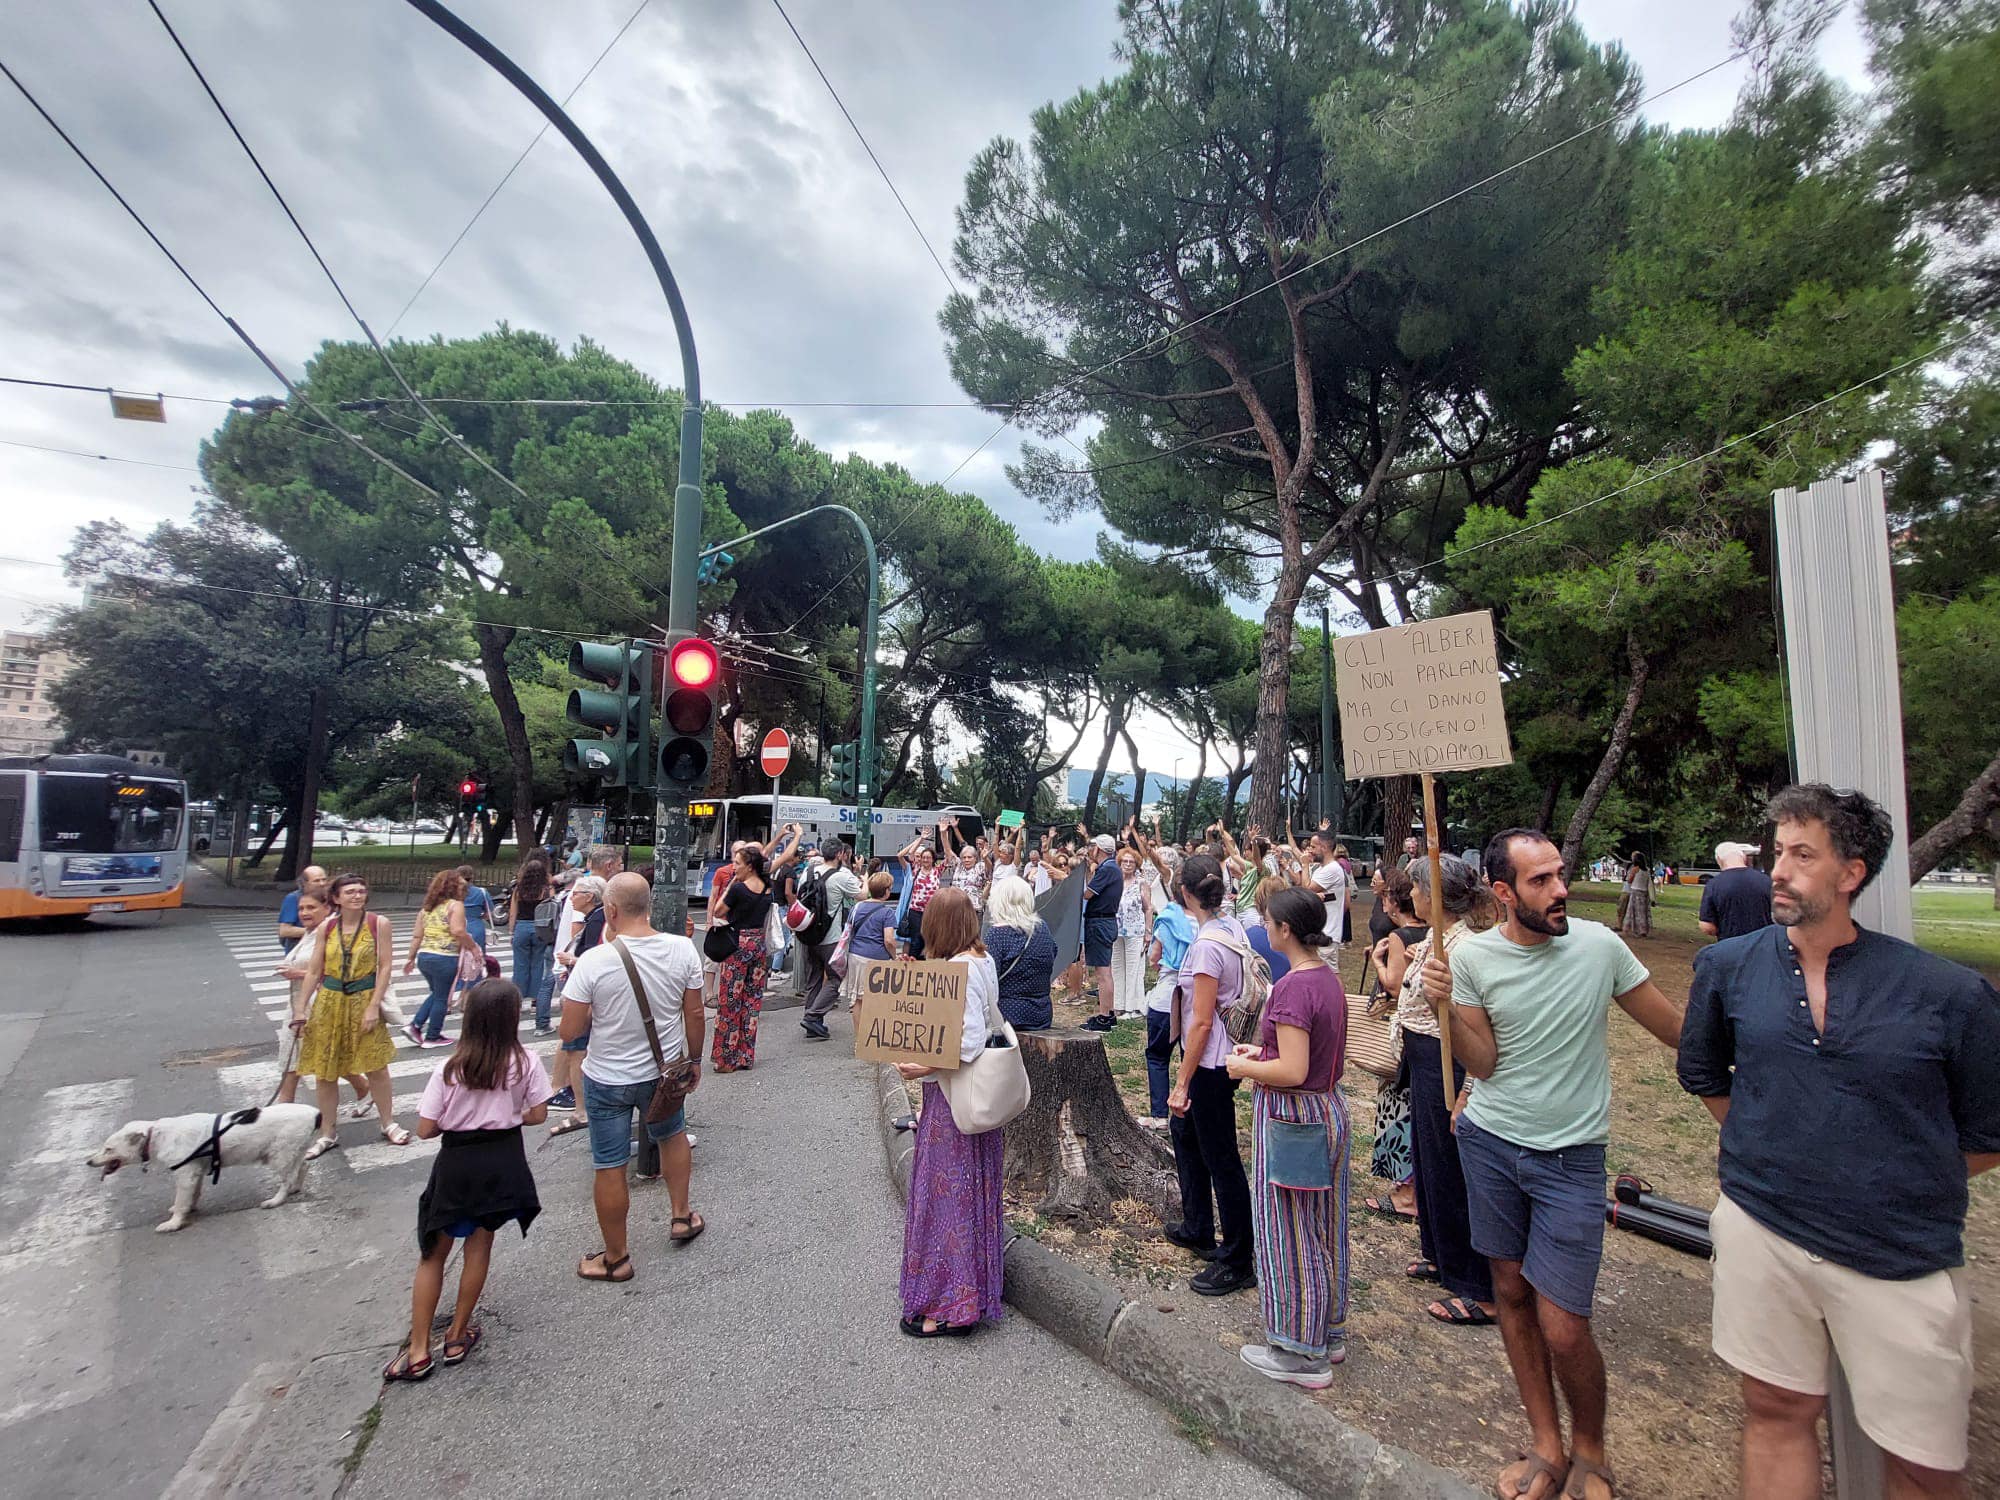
<point x="1802" y="1029"/>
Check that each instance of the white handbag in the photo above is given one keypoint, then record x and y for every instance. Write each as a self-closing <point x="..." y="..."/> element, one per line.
<point x="991" y="1090"/>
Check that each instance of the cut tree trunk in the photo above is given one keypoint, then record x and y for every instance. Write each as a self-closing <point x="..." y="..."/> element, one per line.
<point x="1978" y="803"/>
<point x="1614" y="756"/>
<point x="1076" y="1151"/>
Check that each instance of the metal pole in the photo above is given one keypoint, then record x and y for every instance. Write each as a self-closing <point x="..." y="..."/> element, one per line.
<point x="864" y="791"/>
<point x="1329" y="774"/>
<point x="670" y="825"/>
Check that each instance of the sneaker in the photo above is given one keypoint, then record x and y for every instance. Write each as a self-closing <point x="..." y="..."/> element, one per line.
<point x="415" y="1034"/>
<point x="563" y="1099"/>
<point x="1100" y="1023"/>
<point x="544" y="1032"/>
<point x="1294" y="1369"/>
<point x="815" y="1030"/>
<point x="1194" y="1244"/>
<point x="1220" y="1280"/>
<point x="437" y="1041"/>
<point x="1152" y="1122"/>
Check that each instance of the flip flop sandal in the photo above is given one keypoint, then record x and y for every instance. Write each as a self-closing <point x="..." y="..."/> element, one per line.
<point x="1581" y="1469"/>
<point x="1422" y="1270"/>
<point x="695" y="1223"/>
<point x="402" y="1367"/>
<point x="1537" y="1466"/>
<point x="1387" y="1211"/>
<point x="610" y="1268"/>
<point x="569" y="1126"/>
<point x="464" y="1346"/>
<point x="1461" y="1314"/>
<point x="321" y="1146"/>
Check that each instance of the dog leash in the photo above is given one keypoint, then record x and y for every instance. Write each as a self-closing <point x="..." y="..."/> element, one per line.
<point x="291" y="1056"/>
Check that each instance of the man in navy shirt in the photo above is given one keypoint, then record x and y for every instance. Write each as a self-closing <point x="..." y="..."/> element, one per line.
<point x="1101" y="895"/>
<point x="312" y="881"/>
<point x="1857" y="1082"/>
<point x="1739" y="899"/>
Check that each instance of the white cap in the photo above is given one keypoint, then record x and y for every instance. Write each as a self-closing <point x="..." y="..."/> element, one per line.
<point x="1105" y="842"/>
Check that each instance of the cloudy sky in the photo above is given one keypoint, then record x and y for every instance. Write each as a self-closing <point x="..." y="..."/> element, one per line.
<point x="804" y="281"/>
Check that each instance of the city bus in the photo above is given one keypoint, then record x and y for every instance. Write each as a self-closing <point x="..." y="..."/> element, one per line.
<point x="715" y="823"/>
<point x="88" y="833"/>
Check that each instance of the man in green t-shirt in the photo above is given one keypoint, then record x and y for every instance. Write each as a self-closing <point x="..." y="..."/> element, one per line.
<point x="1531" y="1003"/>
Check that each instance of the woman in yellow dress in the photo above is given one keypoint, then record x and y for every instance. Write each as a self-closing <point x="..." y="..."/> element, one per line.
<point x="344" y="1032"/>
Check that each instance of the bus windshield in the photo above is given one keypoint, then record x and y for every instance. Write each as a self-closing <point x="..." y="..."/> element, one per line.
<point x="87" y="814"/>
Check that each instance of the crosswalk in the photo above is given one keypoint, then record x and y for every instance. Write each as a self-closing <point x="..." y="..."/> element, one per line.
<point x="252" y="944"/>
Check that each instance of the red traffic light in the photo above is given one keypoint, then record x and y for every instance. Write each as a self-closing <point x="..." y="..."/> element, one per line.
<point x="468" y="788"/>
<point x="693" y="664"/>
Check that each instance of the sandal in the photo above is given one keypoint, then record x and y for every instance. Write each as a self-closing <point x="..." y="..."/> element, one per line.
<point x="1387" y="1210"/>
<point x="464" y="1346"/>
<point x="695" y="1223"/>
<point x="1422" y="1270"/>
<point x="1462" y="1314"/>
<point x="567" y="1126"/>
<point x="321" y="1146"/>
<point x="914" y="1327"/>
<point x="402" y="1367"/>
<point x="1581" y="1469"/>
<point x="1524" y="1482"/>
<point x="395" y="1135"/>
<point x="608" y="1269"/>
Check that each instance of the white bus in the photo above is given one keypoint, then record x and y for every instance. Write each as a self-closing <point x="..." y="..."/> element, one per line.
<point x="85" y="833"/>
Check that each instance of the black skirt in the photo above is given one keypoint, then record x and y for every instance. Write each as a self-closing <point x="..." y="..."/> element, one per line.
<point x="478" y="1177"/>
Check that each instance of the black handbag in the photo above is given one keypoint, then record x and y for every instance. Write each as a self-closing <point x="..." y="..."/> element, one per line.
<point x="719" y="942"/>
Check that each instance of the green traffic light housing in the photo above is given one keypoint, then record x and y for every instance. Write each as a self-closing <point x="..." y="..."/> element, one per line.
<point x="623" y="757"/>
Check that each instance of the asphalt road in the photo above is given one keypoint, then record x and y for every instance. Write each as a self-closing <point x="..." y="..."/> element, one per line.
<point x="763" y="1360"/>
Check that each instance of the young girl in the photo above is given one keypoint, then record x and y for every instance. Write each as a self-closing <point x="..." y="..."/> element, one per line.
<point x="478" y="1101"/>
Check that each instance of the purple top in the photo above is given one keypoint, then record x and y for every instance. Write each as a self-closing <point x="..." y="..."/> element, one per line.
<point x="1225" y="967"/>
<point x="1313" y="1001"/>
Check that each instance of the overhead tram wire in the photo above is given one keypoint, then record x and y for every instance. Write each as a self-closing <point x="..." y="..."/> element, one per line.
<point x="362" y="323"/>
<point x="106" y="458"/>
<point x="508" y="176"/>
<point x="242" y="334"/>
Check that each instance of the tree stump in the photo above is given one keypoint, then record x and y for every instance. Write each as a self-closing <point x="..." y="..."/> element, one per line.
<point x="1077" y="1150"/>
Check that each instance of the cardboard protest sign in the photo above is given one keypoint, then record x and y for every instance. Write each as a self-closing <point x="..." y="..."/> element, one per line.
<point x="909" y="1012"/>
<point x="1421" y="698"/>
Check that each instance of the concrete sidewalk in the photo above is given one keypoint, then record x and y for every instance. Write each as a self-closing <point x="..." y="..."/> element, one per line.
<point x="764" y="1360"/>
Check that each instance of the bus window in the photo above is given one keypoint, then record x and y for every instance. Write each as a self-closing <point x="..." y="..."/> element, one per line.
<point x="94" y="815"/>
<point x="13" y="797"/>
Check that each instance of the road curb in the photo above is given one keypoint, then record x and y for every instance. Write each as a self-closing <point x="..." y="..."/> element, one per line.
<point x="1284" y="1433"/>
<point x="312" y="1440"/>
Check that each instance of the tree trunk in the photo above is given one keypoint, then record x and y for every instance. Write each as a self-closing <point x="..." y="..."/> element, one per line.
<point x="1981" y="799"/>
<point x="1114" y="721"/>
<point x="1191" y="791"/>
<point x="1274" y="686"/>
<point x="299" y="849"/>
<point x="493" y="642"/>
<point x="1614" y="756"/>
<point x="282" y="825"/>
<point x="1546" y="818"/>
<point x="1077" y="1150"/>
<point x="1399" y="813"/>
<point x="1231" y="787"/>
<point x="492" y="834"/>
<point x="542" y="816"/>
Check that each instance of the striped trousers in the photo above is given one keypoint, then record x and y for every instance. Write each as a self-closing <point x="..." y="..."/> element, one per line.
<point x="1302" y="1237"/>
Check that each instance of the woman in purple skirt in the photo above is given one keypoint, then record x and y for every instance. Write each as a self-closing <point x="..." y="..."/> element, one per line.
<point x="952" y="1238"/>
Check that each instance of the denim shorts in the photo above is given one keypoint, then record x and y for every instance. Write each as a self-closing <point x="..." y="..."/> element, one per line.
<point x="1099" y="935"/>
<point x="581" y="1044"/>
<point x="1544" y="1209"/>
<point x="611" y="1106"/>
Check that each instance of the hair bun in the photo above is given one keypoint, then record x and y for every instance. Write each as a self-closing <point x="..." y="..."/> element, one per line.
<point x="1319" y="940"/>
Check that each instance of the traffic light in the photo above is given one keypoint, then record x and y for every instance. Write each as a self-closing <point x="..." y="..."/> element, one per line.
<point x="845" y="767"/>
<point x="625" y="713"/>
<point x="468" y="796"/>
<point x="694" y="672"/>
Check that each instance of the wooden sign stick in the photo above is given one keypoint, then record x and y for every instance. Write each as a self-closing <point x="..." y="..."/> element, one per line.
<point x="1438" y="925"/>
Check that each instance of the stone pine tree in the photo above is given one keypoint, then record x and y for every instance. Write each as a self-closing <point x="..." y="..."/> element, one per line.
<point x="1187" y="253"/>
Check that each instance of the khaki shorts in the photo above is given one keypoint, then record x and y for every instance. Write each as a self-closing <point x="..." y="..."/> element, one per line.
<point x="1780" y="1311"/>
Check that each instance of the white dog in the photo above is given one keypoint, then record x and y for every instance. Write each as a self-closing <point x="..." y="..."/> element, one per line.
<point x="277" y="1135"/>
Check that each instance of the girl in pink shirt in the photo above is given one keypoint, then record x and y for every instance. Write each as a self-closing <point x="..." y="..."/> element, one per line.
<point x="478" y="1100"/>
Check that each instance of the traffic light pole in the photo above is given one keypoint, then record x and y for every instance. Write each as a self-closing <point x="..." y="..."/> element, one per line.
<point x="864" y="791"/>
<point x="670" y="828"/>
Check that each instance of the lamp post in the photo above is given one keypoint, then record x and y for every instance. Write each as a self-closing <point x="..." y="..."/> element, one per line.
<point x="670" y="824"/>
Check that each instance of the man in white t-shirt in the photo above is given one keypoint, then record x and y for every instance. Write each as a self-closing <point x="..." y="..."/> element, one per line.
<point x="1329" y="879"/>
<point x="619" y="1068"/>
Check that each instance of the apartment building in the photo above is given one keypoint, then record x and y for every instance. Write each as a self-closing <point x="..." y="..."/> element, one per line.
<point x="28" y="669"/>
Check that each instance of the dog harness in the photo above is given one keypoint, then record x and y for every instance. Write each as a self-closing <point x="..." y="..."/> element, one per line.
<point x="211" y="1149"/>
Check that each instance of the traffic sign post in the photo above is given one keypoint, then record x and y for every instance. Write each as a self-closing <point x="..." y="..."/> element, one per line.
<point x="775" y="755"/>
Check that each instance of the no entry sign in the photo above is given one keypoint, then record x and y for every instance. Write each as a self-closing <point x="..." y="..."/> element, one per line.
<point x="777" y="753"/>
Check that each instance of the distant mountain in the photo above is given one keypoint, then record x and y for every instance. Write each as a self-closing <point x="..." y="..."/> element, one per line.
<point x="1077" y="787"/>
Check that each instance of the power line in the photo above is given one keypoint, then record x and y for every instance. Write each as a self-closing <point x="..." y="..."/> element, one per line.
<point x="508" y="176"/>
<point x="108" y="458"/>
<point x="936" y="260"/>
<point x="362" y="323"/>
<point x="1675" y="468"/>
<point x="105" y="390"/>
